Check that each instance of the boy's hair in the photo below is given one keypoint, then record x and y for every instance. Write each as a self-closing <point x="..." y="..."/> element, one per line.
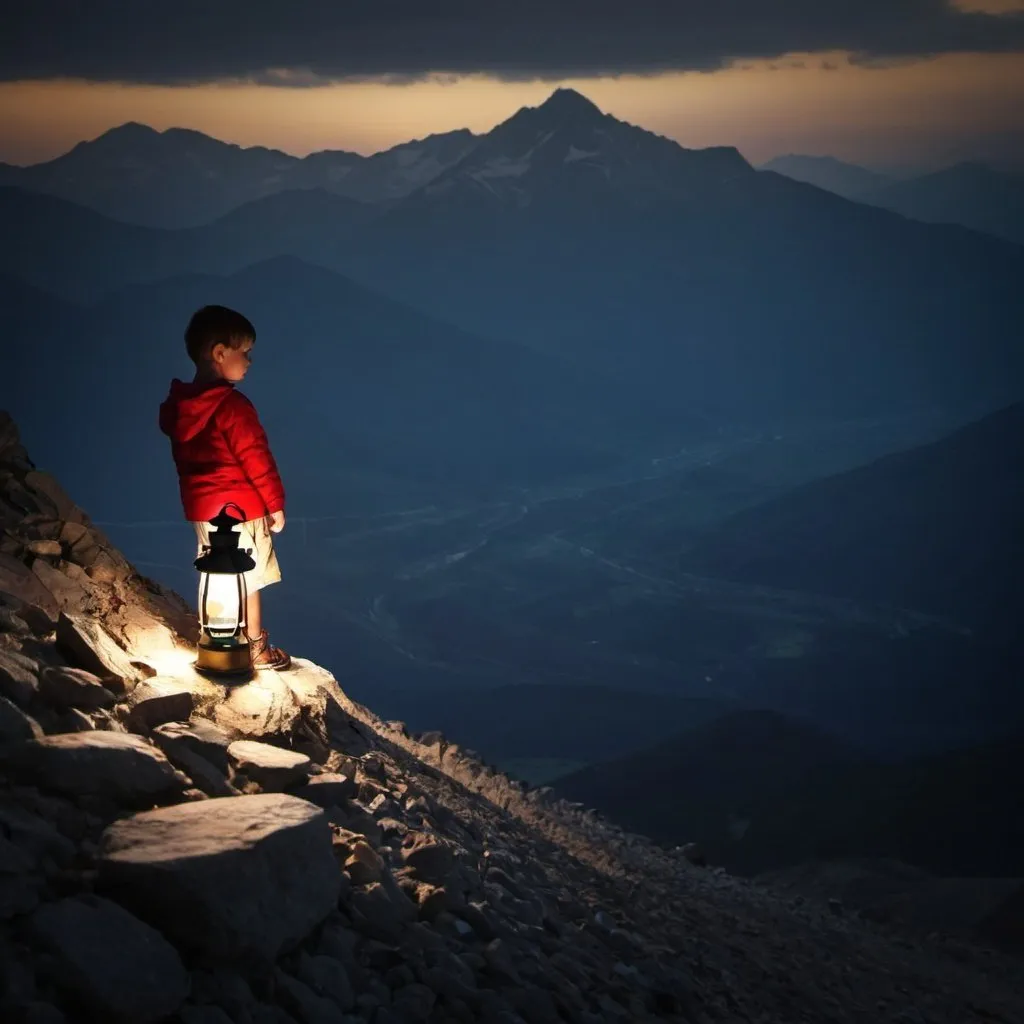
<point x="216" y="325"/>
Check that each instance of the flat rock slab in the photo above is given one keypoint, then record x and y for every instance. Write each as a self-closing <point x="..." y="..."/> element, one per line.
<point x="159" y="700"/>
<point x="74" y="688"/>
<point x="119" y="766"/>
<point x="270" y="767"/>
<point x="240" y="878"/>
<point x="123" y="970"/>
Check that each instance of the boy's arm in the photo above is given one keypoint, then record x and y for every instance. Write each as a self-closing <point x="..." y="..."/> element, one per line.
<point x="247" y="439"/>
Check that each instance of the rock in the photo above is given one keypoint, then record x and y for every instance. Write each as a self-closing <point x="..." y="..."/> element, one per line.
<point x="19" y="681"/>
<point x="15" y="725"/>
<point x="111" y="765"/>
<point x="207" y="777"/>
<point x="270" y="767"/>
<point x="50" y="549"/>
<point x="90" y="646"/>
<point x="266" y="707"/>
<point x="119" y="967"/>
<point x="79" y="545"/>
<point x="199" y="749"/>
<point x="249" y="876"/>
<point x="18" y="580"/>
<point x="159" y="700"/>
<point x="414" y="1002"/>
<point x="364" y="864"/>
<point x="44" y="484"/>
<point x="327" y="978"/>
<point x="224" y="988"/>
<point x="65" y="591"/>
<point x="380" y="912"/>
<point x="300" y="1000"/>
<point x="204" y="738"/>
<point x="12" y="622"/>
<point x="327" y="790"/>
<point x="427" y="857"/>
<point x="74" y="688"/>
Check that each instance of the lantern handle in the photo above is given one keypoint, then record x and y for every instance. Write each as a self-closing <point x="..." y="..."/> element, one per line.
<point x="232" y="504"/>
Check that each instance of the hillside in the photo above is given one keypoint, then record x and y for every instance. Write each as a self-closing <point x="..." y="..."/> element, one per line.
<point x="409" y="882"/>
<point x="935" y="528"/>
<point x="760" y="792"/>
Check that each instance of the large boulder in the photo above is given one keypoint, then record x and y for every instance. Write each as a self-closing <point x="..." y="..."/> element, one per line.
<point x="120" y="767"/>
<point x="109" y="961"/>
<point x="245" y="877"/>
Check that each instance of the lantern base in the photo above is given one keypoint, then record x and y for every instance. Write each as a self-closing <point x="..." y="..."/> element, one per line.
<point x="235" y="659"/>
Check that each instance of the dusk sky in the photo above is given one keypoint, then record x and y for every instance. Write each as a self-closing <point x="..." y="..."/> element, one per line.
<point x="888" y="83"/>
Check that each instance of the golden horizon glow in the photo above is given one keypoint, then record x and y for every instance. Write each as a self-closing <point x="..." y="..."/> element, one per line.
<point x="951" y="107"/>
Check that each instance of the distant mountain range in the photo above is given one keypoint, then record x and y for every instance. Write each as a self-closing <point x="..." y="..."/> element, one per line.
<point x="684" y="276"/>
<point x="974" y="195"/>
<point x="848" y="180"/>
<point x="182" y="178"/>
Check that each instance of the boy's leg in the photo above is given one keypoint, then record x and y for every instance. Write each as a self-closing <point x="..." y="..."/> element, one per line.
<point x="253" y="615"/>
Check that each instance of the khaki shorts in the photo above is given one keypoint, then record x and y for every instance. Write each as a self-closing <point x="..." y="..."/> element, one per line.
<point x="255" y="535"/>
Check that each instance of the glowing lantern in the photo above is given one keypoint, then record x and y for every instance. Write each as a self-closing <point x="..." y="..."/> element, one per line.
<point x="223" y="643"/>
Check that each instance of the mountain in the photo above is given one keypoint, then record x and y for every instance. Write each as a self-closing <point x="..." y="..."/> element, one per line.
<point x="844" y="179"/>
<point x="709" y="783"/>
<point x="972" y="194"/>
<point x="936" y="528"/>
<point x="182" y="178"/>
<point x="690" y="275"/>
<point x="380" y="871"/>
<point x="685" y="276"/>
<point x="761" y="792"/>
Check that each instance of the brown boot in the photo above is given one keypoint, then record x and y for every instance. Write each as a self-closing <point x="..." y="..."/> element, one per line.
<point x="264" y="655"/>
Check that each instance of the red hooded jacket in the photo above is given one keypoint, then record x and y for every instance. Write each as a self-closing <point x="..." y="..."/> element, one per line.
<point x="220" y="450"/>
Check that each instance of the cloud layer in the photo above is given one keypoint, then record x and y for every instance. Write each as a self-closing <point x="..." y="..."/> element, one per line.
<point x="308" y="41"/>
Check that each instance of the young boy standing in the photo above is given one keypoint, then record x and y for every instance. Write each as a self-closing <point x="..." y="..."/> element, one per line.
<point x="222" y="456"/>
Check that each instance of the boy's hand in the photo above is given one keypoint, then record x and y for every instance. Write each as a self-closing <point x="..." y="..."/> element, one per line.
<point x="277" y="521"/>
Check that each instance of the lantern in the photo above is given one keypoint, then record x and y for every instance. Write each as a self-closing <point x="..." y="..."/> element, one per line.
<point x="223" y="643"/>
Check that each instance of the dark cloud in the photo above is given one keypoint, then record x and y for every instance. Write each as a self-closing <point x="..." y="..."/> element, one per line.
<point x="208" y="40"/>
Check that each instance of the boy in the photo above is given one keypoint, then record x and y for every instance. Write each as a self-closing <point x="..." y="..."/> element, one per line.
<point x="222" y="455"/>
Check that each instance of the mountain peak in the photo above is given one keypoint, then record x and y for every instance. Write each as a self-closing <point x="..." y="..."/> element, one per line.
<point x="564" y="101"/>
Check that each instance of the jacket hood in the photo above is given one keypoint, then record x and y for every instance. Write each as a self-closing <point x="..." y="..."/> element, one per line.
<point x="188" y="407"/>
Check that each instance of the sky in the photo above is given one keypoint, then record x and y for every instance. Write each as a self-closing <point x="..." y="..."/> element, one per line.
<point x="892" y="84"/>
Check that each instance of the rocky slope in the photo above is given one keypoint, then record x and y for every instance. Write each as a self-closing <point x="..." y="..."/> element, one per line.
<point x="174" y="849"/>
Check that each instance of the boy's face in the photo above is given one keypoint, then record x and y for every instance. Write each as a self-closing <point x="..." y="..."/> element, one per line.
<point x="231" y="363"/>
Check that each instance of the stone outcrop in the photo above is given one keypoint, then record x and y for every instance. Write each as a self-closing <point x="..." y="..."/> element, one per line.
<point x="231" y="879"/>
<point x="271" y="852"/>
